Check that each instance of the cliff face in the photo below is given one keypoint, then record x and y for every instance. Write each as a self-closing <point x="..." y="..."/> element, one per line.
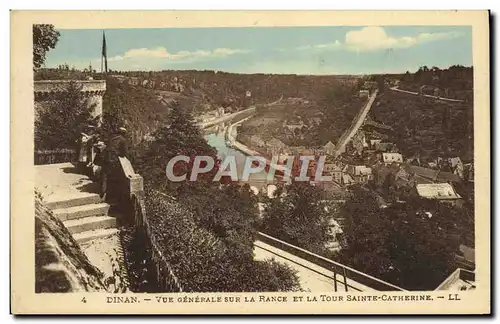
<point x="60" y="264"/>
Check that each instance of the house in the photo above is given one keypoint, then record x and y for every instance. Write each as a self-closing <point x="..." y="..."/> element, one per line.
<point x="389" y="158"/>
<point x="438" y="191"/>
<point x="382" y="171"/>
<point x="347" y="180"/>
<point x="359" y="173"/>
<point x="293" y="127"/>
<point x="435" y="176"/>
<point x="359" y="142"/>
<point x="457" y="166"/>
<point x="334" y="170"/>
<point x="364" y="93"/>
<point x="469" y="172"/>
<point x="459" y="280"/>
<point x="374" y="143"/>
<point x="370" y="85"/>
<point x="383" y="147"/>
<point x="329" y="148"/>
<point x="134" y="81"/>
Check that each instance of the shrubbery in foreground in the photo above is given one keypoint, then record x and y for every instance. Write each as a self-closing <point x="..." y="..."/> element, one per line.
<point x="201" y="261"/>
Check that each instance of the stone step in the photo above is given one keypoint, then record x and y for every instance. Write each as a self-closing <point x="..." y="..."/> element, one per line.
<point x="77" y="212"/>
<point x="94" y="234"/>
<point x="80" y="225"/>
<point x="66" y="201"/>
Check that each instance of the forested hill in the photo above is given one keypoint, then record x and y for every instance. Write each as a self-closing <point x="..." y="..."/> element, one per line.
<point x="456" y="82"/>
<point x="223" y="88"/>
<point x="141" y="100"/>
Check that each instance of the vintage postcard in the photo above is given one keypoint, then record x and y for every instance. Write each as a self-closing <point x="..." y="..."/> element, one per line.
<point x="230" y="162"/>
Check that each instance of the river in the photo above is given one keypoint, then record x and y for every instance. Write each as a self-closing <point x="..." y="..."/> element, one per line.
<point x="217" y="141"/>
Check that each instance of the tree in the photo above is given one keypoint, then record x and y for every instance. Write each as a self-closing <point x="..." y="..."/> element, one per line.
<point x="135" y="107"/>
<point x="365" y="234"/>
<point x="205" y="260"/>
<point x="45" y="37"/>
<point x="411" y="245"/>
<point x="179" y="137"/>
<point x="62" y="118"/>
<point x="229" y="211"/>
<point x="298" y="217"/>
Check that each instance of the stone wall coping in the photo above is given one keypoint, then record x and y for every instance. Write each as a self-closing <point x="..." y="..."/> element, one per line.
<point x="59" y="85"/>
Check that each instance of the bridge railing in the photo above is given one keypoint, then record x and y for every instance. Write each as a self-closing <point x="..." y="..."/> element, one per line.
<point x="337" y="268"/>
<point x="165" y="277"/>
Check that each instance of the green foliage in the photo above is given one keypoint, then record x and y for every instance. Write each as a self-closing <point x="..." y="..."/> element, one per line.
<point x="411" y="245"/>
<point x="136" y="108"/>
<point x="62" y="72"/>
<point x="230" y="212"/>
<point x="202" y="261"/>
<point x="339" y="106"/>
<point x="270" y="275"/>
<point x="298" y="217"/>
<point x="61" y="119"/>
<point x="207" y="233"/>
<point x="426" y="127"/>
<point x="179" y="137"/>
<point x="457" y="79"/>
<point x="45" y="37"/>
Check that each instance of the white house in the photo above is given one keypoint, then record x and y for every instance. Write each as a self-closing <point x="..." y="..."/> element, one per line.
<point x="389" y="158"/>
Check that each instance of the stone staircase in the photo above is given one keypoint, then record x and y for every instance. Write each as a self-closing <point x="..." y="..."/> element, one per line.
<point x="84" y="214"/>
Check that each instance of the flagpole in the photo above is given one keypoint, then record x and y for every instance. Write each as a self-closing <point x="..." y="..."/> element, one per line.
<point x="102" y="50"/>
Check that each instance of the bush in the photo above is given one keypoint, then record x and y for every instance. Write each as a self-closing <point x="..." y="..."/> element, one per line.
<point x="298" y="217"/>
<point x="201" y="261"/>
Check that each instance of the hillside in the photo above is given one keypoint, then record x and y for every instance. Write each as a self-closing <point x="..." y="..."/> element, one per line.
<point x="455" y="82"/>
<point x="231" y="89"/>
<point x="306" y="123"/>
<point x="427" y="127"/>
<point x="142" y="99"/>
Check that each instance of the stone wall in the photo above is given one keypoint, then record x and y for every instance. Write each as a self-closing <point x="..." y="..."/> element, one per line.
<point x="92" y="89"/>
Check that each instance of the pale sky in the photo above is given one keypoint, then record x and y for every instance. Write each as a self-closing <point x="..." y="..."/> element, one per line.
<point x="281" y="50"/>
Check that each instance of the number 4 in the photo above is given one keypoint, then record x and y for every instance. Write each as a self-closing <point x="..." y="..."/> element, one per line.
<point x="84" y="300"/>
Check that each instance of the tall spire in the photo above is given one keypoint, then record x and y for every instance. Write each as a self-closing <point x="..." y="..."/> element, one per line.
<point x="104" y="56"/>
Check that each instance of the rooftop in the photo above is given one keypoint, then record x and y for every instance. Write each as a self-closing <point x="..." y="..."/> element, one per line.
<point x="437" y="191"/>
<point x="460" y="279"/>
